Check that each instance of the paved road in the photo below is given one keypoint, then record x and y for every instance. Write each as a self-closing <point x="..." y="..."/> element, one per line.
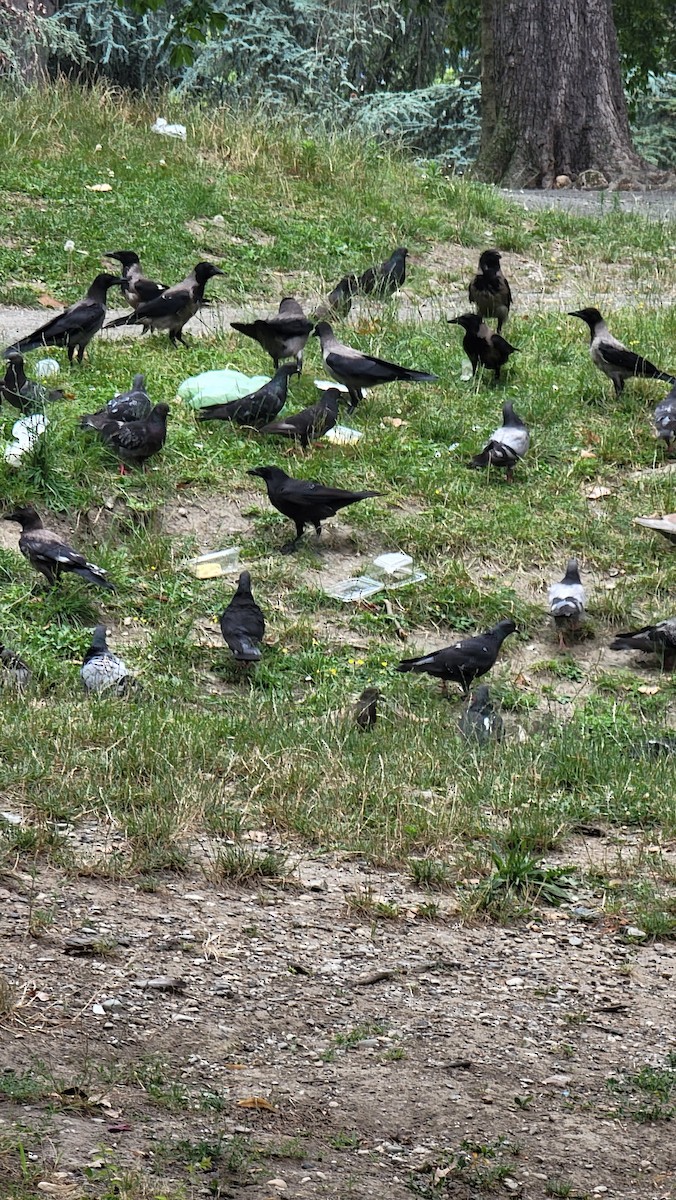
<point x="654" y="205"/>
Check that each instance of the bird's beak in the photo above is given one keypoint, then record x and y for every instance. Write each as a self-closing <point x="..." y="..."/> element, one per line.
<point x="217" y="271"/>
<point x="575" y="314"/>
<point x="254" y="471"/>
<point x="453" y="320"/>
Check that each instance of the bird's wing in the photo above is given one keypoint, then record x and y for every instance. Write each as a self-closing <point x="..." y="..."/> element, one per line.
<point x="361" y="365"/>
<point x="619" y="356"/>
<point x="147" y="290"/>
<point x="78" y="318"/>
<point x="167" y="304"/>
<point x="55" y="552"/>
<point x="291" y="326"/>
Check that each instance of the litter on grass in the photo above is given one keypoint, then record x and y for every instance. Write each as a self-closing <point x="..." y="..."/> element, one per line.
<point x="386" y="572"/>
<point x="215" y="564"/>
<point x="219" y="387"/>
<point x="176" y="131"/>
<point x="26" y="433"/>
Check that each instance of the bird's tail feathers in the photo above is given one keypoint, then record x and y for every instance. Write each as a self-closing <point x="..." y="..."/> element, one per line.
<point x="127" y="319"/>
<point x="93" y="575"/>
<point x="247" y="651"/>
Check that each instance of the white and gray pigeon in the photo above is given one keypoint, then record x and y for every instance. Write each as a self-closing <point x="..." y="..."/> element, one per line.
<point x="479" y="721"/>
<point x="664" y="419"/>
<point x="103" y="671"/>
<point x="612" y="357"/>
<point x="567" y="601"/>
<point x="506" y="446"/>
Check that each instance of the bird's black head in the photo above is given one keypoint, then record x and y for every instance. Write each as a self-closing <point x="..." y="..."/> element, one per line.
<point x="161" y="410"/>
<point x="401" y="251"/>
<point x="504" y="627"/>
<point x="285" y="370"/>
<point x="268" y="473"/>
<point x="469" y="321"/>
<point x="99" y="638"/>
<point x="321" y="329"/>
<point x="288" y="305"/>
<point x="572" y="574"/>
<point x="206" y="270"/>
<point x="509" y="417"/>
<point x="490" y="260"/>
<point x="244" y="582"/>
<point x="138" y="383"/>
<point x="103" y="282"/>
<point x="369" y="694"/>
<point x="127" y="258"/>
<point x="26" y="517"/>
<point x="591" y="316"/>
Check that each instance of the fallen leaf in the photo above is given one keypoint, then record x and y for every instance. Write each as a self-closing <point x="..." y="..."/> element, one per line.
<point x="256" y="1102"/>
<point x="648" y="691"/>
<point x="587" y="454"/>
<point x="598" y="492"/>
<point x="48" y="301"/>
<point x="522" y="680"/>
<point x="98" y="187"/>
<point x="395" y="422"/>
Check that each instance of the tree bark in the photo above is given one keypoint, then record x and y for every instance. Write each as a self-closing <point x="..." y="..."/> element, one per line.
<point x="19" y="18"/>
<point x="552" y="97"/>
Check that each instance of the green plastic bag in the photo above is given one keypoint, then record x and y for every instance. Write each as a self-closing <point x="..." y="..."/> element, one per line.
<point x="218" y="387"/>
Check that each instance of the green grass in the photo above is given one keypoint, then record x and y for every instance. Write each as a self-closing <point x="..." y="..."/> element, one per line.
<point x="205" y="750"/>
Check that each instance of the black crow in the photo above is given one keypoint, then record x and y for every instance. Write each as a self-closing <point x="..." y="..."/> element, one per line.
<point x="75" y="327"/>
<point x="482" y="345"/>
<point x="304" y="501"/>
<point x="243" y="623"/>
<point x="567" y="601"/>
<point x="479" y="721"/>
<point x="657" y="639"/>
<point x="365" y="711"/>
<point x="311" y="423"/>
<point x="664" y="419"/>
<point x="103" y="671"/>
<point x="22" y="393"/>
<point x="133" y="405"/>
<point x="506" y="445"/>
<point x="51" y="556"/>
<point x="358" y="371"/>
<point x="339" y="301"/>
<point x="282" y="336"/>
<point x="256" y="408"/>
<point x="466" y="660"/>
<point x="134" y="442"/>
<point x="489" y="291"/>
<point x="135" y="286"/>
<point x="387" y="278"/>
<point x="611" y="357"/>
<point x="13" y="670"/>
<point x="174" y="307"/>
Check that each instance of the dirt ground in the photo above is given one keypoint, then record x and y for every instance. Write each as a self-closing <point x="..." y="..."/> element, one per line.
<point x="380" y="1046"/>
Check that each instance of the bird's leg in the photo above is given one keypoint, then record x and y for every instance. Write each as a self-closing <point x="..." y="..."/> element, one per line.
<point x="618" y="384"/>
<point x="123" y="470"/>
<point x="299" y="363"/>
<point x="71" y="352"/>
<point x="355" y="397"/>
<point x="289" y="547"/>
<point x="509" y="475"/>
<point x="80" y="353"/>
<point x="181" y="339"/>
<point x="562" y="640"/>
<point x="497" y="375"/>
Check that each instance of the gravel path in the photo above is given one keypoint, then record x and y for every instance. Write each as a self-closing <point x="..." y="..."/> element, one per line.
<point x="655" y="205"/>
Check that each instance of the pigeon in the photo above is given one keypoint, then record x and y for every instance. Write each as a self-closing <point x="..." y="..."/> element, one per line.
<point x="103" y="671"/>
<point x="365" y="710"/>
<point x="304" y="501"/>
<point x="356" y="370"/>
<point x="482" y="345"/>
<point x="256" y="408"/>
<point x="466" y="660"/>
<point x="479" y="722"/>
<point x="282" y="336"/>
<point x="135" y="286"/>
<point x="134" y="442"/>
<point x="664" y="419"/>
<point x="656" y="747"/>
<point x="339" y="301"/>
<point x="657" y="639"/>
<point x="174" y="307"/>
<point x="386" y="279"/>
<point x="567" y="601"/>
<point x="22" y="393"/>
<point x="13" y="670"/>
<point x="49" y="554"/>
<point x="75" y="327"/>
<point x="489" y="291"/>
<point x="506" y="445"/>
<point x="311" y="423"/>
<point x="133" y="405"/>
<point x="243" y="623"/>
<point x="611" y="357"/>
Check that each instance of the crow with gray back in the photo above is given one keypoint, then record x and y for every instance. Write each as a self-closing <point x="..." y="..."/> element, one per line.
<point x="282" y="336"/>
<point x="49" y="554"/>
<point x="358" y="371"/>
<point x="75" y="327"/>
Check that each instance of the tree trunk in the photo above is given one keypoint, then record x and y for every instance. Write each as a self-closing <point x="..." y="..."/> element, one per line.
<point x="19" y="20"/>
<point x="552" y="97"/>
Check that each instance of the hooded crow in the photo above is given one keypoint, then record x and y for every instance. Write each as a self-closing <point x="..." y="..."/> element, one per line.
<point x="75" y="327"/>
<point x="304" y="501"/>
<point x="482" y="345"/>
<point x="311" y="423"/>
<point x="22" y="393"/>
<point x="257" y="408"/>
<point x="612" y="357"/>
<point x="479" y="721"/>
<point x="358" y="371"/>
<point x="51" y="556"/>
<point x="282" y="336"/>
<point x="243" y="623"/>
<point x="464" y="661"/>
<point x="657" y="639"/>
<point x="387" y="278"/>
<point x="133" y="405"/>
<point x="103" y="671"/>
<point x="489" y="291"/>
<point x="173" y="308"/>
<point x="506" y="445"/>
<point x="567" y="601"/>
<point x="664" y="419"/>
<point x="135" y="286"/>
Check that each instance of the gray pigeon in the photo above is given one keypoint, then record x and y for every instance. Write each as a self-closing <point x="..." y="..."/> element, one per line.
<point x="13" y="670"/>
<point x="506" y="446"/>
<point x="479" y="722"/>
<point x="133" y="405"/>
<point x="567" y="601"/>
<point x="664" y="419"/>
<point x="103" y="671"/>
